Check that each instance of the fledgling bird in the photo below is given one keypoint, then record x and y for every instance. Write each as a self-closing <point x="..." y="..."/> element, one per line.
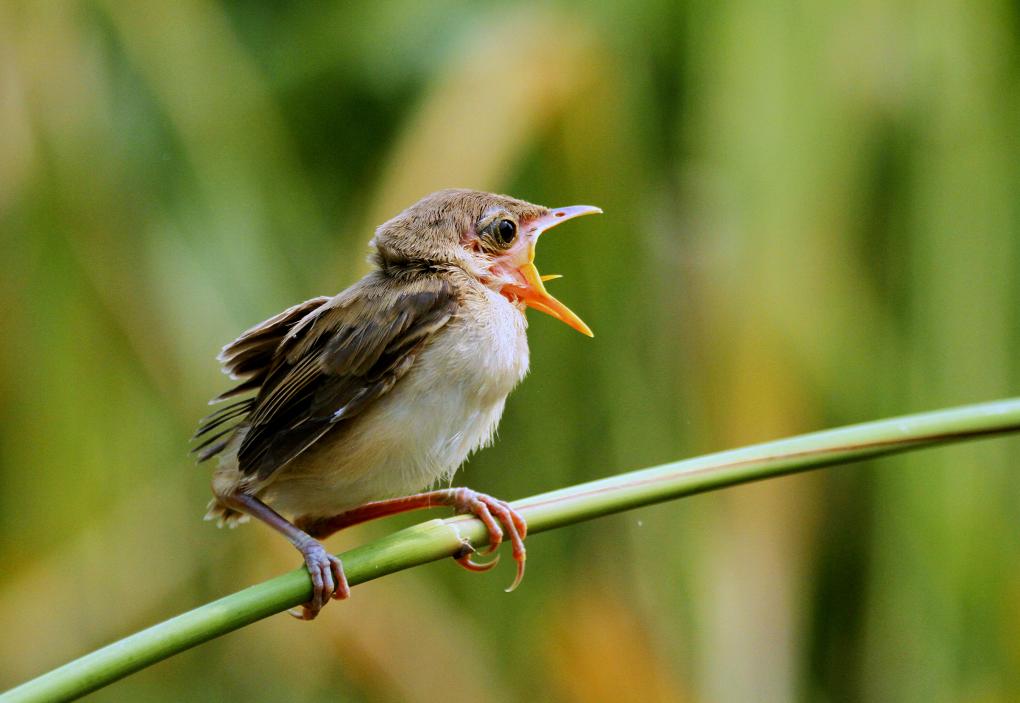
<point x="385" y="388"/>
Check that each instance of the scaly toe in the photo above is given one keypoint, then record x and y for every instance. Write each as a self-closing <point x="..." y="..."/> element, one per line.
<point x="502" y="523"/>
<point x="342" y="590"/>
<point x="327" y="576"/>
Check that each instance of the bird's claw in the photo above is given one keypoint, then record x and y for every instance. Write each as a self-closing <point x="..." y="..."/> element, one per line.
<point x="328" y="580"/>
<point x="492" y="511"/>
<point x="478" y="566"/>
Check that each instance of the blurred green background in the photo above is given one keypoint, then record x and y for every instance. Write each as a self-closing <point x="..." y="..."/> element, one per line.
<point x="812" y="218"/>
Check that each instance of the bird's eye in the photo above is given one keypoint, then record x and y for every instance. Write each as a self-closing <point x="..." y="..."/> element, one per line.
<point x="505" y="232"/>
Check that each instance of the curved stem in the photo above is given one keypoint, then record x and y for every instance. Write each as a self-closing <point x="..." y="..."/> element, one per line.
<point x="438" y="539"/>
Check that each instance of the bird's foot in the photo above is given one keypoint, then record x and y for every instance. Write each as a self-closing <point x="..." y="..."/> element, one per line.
<point x="489" y="510"/>
<point x="328" y="579"/>
<point x="492" y="511"/>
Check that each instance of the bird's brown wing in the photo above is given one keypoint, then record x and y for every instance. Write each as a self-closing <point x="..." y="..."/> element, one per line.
<point x="249" y="358"/>
<point x="330" y="363"/>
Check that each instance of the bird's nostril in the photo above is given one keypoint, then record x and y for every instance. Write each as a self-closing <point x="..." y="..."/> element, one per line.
<point x="560" y="214"/>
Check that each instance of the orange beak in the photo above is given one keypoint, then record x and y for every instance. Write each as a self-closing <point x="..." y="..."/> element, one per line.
<point x="528" y="285"/>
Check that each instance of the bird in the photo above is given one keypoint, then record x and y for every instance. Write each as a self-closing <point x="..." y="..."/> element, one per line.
<point x="352" y="406"/>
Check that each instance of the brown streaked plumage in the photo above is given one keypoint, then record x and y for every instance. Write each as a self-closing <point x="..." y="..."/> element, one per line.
<point x="388" y="386"/>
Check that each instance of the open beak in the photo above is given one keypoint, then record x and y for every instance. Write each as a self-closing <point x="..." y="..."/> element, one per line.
<point x="528" y="283"/>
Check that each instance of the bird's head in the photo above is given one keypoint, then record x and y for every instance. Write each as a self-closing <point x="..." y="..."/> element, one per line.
<point x="492" y="237"/>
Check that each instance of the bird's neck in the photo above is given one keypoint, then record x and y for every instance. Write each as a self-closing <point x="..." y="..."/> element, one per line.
<point x="401" y="266"/>
<point x="405" y="267"/>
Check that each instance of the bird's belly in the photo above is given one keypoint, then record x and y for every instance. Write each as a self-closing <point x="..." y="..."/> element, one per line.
<point x="417" y="435"/>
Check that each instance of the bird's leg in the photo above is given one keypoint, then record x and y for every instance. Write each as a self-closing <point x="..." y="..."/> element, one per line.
<point x="489" y="510"/>
<point x="327" y="572"/>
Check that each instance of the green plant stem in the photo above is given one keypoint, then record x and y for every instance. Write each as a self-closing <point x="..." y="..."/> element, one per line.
<point x="437" y="539"/>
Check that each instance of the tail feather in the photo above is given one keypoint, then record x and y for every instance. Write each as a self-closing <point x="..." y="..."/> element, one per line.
<point x="223" y="515"/>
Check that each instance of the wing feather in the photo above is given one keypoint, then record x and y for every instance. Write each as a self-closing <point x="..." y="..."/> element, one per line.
<point x="249" y="357"/>
<point x="324" y="364"/>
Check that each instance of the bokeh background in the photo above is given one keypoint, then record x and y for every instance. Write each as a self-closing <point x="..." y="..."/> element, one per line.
<point x="812" y="218"/>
